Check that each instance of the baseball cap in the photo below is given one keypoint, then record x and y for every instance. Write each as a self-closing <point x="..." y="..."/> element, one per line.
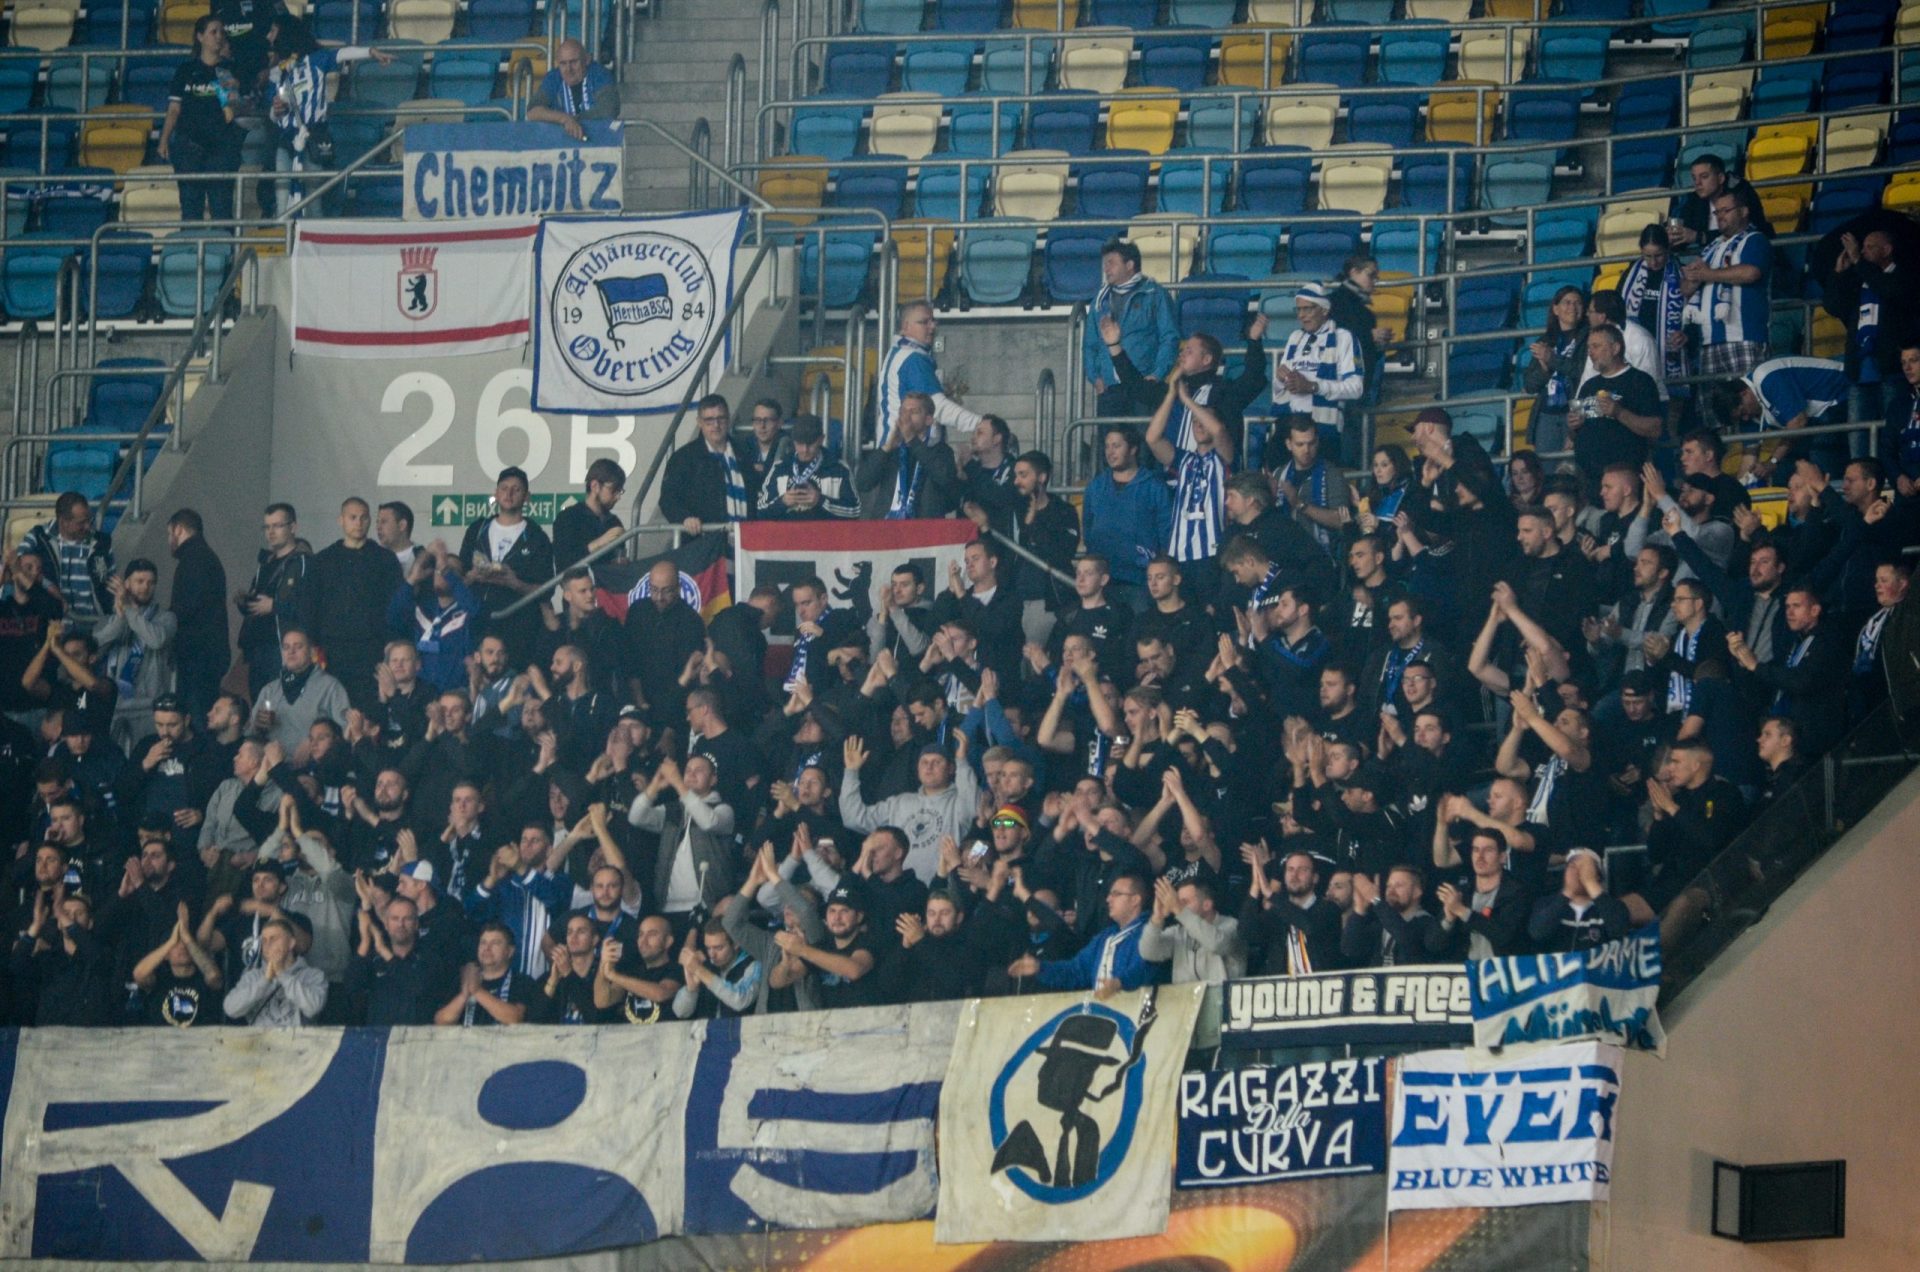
<point x="268" y="865"/>
<point x="631" y="712"/>
<point x="170" y="702"/>
<point x="1010" y="813"/>
<point x="421" y="870"/>
<point x="850" y="895"/>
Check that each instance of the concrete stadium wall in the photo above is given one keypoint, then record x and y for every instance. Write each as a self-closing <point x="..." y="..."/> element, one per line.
<point x="1799" y="1044"/>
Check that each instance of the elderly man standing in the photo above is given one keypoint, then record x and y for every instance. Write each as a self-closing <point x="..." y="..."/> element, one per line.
<point x="909" y="369"/>
<point x="575" y="90"/>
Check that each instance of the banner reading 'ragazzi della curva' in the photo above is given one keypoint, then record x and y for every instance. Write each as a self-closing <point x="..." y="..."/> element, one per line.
<point x="627" y="307"/>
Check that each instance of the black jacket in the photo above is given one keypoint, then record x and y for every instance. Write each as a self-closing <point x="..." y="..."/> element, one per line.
<point x="288" y="582"/>
<point x="530" y="559"/>
<point x="695" y="484"/>
<point x="940" y="489"/>
<point x="1555" y="929"/>
<point x="199" y="602"/>
<point x="351" y="589"/>
<point x="1898" y="291"/>
<point x="1504" y="924"/>
<point x="1814" y="688"/>
<point x="1414" y="940"/>
<point x="1267" y="925"/>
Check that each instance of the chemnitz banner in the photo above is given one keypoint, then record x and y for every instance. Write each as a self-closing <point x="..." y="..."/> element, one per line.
<point x="454" y="172"/>
<point x="1607" y="992"/>
<point x="1057" y="1116"/>
<point x="1519" y="1130"/>
<point x="1421" y="1004"/>
<point x="446" y="1146"/>
<point x="1264" y="1123"/>
<point x="627" y="307"/>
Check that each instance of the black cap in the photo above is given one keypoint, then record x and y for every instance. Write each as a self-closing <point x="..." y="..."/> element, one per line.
<point x="849" y="894"/>
<point x="631" y="712"/>
<point x="267" y="865"/>
<point x="1640" y="683"/>
<point x="170" y="702"/>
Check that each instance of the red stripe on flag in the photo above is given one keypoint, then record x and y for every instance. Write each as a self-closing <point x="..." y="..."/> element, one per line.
<point x="452" y="335"/>
<point x="333" y="238"/>
<point x="716" y="592"/>
<point x="851" y="536"/>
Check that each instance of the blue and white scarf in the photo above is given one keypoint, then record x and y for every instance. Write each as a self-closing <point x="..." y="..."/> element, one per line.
<point x="1633" y="293"/>
<point x="906" y="487"/>
<point x="736" y="485"/>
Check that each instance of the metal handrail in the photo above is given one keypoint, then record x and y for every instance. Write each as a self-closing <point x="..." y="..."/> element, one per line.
<point x="693" y="157"/>
<point x="339" y="176"/>
<point x="699" y="185"/>
<point x="1044" y="420"/>
<point x="544" y="591"/>
<point x="698" y="378"/>
<point x="733" y="127"/>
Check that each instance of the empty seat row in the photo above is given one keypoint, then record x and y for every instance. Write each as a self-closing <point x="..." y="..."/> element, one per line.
<point x="178" y="277"/>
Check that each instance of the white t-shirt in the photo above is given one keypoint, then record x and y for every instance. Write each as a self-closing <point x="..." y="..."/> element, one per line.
<point x="1643" y="351"/>
<point x="500" y="539"/>
<point x="683" y="885"/>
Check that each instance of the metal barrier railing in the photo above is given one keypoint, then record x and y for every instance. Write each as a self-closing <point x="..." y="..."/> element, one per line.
<point x="543" y="592"/>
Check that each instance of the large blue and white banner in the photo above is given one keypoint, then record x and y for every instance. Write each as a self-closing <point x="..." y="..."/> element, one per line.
<point x="1470" y="1129"/>
<point x="1608" y="992"/>
<point x="452" y="1145"/>
<point x="625" y="308"/>
<point x="1263" y="1123"/>
<point x="454" y="172"/>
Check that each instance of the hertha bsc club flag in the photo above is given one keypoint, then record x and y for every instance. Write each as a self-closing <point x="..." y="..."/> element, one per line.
<point x="387" y="289"/>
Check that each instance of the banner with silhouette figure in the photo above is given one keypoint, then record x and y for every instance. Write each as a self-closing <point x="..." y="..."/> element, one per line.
<point x="1057" y="1116"/>
<point x="853" y="558"/>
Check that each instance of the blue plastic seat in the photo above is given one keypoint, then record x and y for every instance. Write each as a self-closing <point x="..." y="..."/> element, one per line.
<point x="1319" y="248"/>
<point x="121" y="403"/>
<point x="19" y="201"/>
<point x="1424" y="176"/>
<point x="1245" y="249"/>
<point x="1387" y="121"/>
<point x="1370" y="12"/>
<point x="1202" y="13"/>
<point x="384" y="87"/>
<point x="890" y="17"/>
<point x="1070" y="263"/>
<point x="1138" y="14"/>
<point x="1333" y="57"/>
<point x="942" y="68"/>
<point x="833" y="266"/>
<point x="970" y="129"/>
<point x="380" y="195"/>
<point x="1415" y="55"/>
<point x="76" y="207"/>
<point x="1543" y="117"/>
<point x="333" y="21"/>
<point x="69" y="89"/>
<point x="28" y="274"/>
<point x="1860" y="80"/>
<point x="831" y="132"/>
<point x="24" y="138"/>
<point x="102" y="27"/>
<point x="499" y="20"/>
<point x="884" y="190"/>
<point x="1903" y="140"/>
<point x="1396" y="246"/>
<point x="464" y="75"/>
<point x="1005" y="67"/>
<point x="147" y="83"/>
<point x="1217" y="311"/>
<point x="1476" y="368"/>
<point x="1114" y="191"/>
<point x="1563" y="234"/>
<point x="1193" y="187"/>
<point x="1211" y="122"/>
<point x="78" y="464"/>
<point x="174" y="282"/>
<point x="1642" y="163"/>
<point x="937" y="193"/>
<point x="1483" y="305"/>
<point x="1908" y="89"/>
<point x="1573" y="53"/>
<point x="994" y="261"/>
<point x="1069" y="122"/>
<point x="1784" y="90"/>
<point x="969" y="17"/>
<point x="1276" y="182"/>
<point x="1178" y="62"/>
<point x="857" y="70"/>
<point x="1858" y="25"/>
<point x="1838" y="200"/>
<point x="1719" y="42"/>
<point x="1645" y="107"/>
<point x="17" y="81"/>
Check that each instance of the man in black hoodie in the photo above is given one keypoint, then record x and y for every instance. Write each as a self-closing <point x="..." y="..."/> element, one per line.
<point x="353" y="581"/>
<point x="199" y="603"/>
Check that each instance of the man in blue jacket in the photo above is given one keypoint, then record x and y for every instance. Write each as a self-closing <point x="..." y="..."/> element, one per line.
<point x="1126" y="515"/>
<point x="1149" y="331"/>
<point x="1111" y="961"/>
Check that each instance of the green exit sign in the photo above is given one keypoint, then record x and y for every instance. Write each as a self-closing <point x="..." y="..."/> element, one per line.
<point x="460" y="510"/>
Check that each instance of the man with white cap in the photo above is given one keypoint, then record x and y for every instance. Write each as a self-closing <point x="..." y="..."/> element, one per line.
<point x="1320" y="365"/>
<point x="1582" y="914"/>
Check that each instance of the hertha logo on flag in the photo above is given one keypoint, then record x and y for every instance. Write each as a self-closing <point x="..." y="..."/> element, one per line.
<point x="632" y="300"/>
<point x="418" y="282"/>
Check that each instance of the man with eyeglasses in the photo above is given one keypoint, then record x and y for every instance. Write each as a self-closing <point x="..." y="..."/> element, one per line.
<point x="1726" y="289"/>
<point x="281" y="596"/>
<point x="591" y="523"/>
<point x="768" y="446"/>
<point x="1111" y="961"/>
<point x="575" y="89"/>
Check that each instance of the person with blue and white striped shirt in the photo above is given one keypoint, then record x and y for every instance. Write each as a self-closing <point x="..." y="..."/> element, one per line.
<point x="808" y="485"/>
<point x="1320" y="363"/>
<point x="909" y="369"/>
<point x="298" y="84"/>
<point x="1727" y="292"/>
<point x="521" y="893"/>
<point x="1789" y="394"/>
<point x="1199" y="480"/>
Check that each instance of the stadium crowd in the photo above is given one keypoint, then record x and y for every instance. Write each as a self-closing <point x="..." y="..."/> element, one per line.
<point x="1055" y="768"/>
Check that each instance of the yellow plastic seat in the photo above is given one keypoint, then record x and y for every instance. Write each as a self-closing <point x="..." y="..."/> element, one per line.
<point x="42" y="27"/>
<point x="923" y="254"/>
<point x="176" y="21"/>
<point x="428" y="21"/>
<point x="145" y="200"/>
<point x="904" y="124"/>
<point x="1454" y="11"/>
<point x="1791" y="32"/>
<point x="118" y="142"/>
<point x="1302" y="121"/>
<point x="1853" y="141"/>
<point x="535" y="58"/>
<point x="1046" y="15"/>
<point x="1828" y="339"/>
<point x="1032" y="185"/>
<point x="1494" y="57"/>
<point x="1096" y="63"/>
<point x="1355" y="183"/>
<point x="1393" y="308"/>
<point x="1618" y="233"/>
<point x="1142" y="123"/>
<point x="795" y="188"/>
<point x="1165" y="256"/>
<point x="1462" y="117"/>
<point x="1785" y="206"/>
<point x="830" y="362"/>
<point x="1902" y="194"/>
<point x="1607" y="277"/>
<point x="1243" y="60"/>
<point x="1518" y="10"/>
<point x="1906" y="27"/>
<point x="1715" y="104"/>
<point x="1779" y="154"/>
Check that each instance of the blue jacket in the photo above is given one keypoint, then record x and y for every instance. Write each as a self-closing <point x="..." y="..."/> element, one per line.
<point x="1129" y="525"/>
<point x="1129" y="968"/>
<point x="1149" y="333"/>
